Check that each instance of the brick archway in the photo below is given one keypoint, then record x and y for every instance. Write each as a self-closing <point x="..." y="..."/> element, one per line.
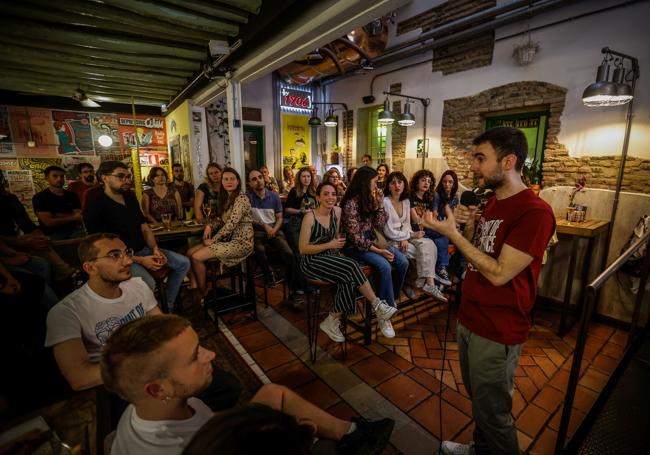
<point x="464" y="118"/>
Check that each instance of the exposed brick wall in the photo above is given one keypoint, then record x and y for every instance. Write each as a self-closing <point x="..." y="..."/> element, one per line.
<point x="463" y="56"/>
<point x="464" y="118"/>
<point x="398" y="140"/>
<point x="346" y="152"/>
<point x="443" y="13"/>
<point x="474" y="53"/>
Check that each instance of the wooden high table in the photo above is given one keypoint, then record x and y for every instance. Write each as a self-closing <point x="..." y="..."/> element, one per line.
<point x="591" y="230"/>
<point x="179" y="231"/>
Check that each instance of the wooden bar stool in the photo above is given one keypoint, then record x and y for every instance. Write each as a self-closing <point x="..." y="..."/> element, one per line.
<point x="241" y="286"/>
<point x="312" y="304"/>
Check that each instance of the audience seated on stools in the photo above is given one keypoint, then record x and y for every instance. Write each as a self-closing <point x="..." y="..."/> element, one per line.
<point x="267" y="223"/>
<point x="185" y="189"/>
<point x="20" y="234"/>
<point x="229" y="237"/>
<point x="117" y="211"/>
<point x="363" y="222"/>
<point x="321" y="260"/>
<point x="80" y="325"/>
<point x="446" y="194"/>
<point x="287" y="181"/>
<point x="207" y="193"/>
<point x="160" y="198"/>
<point x="333" y="176"/>
<point x="158" y="365"/>
<point x="422" y="198"/>
<point x="270" y="183"/>
<point x="412" y="243"/>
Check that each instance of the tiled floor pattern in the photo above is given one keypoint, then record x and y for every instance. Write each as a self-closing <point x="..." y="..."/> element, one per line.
<point x="405" y="372"/>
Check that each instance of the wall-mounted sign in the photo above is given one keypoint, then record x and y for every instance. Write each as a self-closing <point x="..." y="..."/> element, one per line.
<point x="296" y="99"/>
<point x="150" y="131"/>
<point x="295" y="141"/>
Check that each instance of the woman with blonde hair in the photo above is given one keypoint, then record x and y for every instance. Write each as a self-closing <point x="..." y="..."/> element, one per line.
<point x="301" y="199"/>
<point x="160" y="198"/>
<point x="229" y="237"/>
<point x="208" y="192"/>
<point x="287" y="181"/>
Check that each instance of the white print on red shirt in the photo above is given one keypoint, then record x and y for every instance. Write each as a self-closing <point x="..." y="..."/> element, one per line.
<point x="485" y="235"/>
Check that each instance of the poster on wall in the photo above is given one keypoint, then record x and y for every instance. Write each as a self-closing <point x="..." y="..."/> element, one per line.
<point x="150" y="131"/>
<point x="70" y="163"/>
<point x="186" y="155"/>
<point x="32" y="124"/>
<point x="37" y="166"/>
<point x="6" y="146"/>
<point x="21" y="185"/>
<point x="295" y="141"/>
<point x="72" y="130"/>
<point x="105" y="125"/>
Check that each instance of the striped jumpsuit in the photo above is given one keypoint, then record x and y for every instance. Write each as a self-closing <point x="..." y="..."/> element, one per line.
<point x="330" y="266"/>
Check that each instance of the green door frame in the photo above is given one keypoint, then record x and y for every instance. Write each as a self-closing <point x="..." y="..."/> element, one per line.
<point x="260" y="156"/>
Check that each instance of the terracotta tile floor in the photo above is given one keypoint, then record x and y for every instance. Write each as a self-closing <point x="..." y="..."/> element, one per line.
<point x="406" y="370"/>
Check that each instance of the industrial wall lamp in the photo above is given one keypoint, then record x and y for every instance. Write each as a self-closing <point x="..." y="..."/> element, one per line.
<point x="604" y="92"/>
<point x="331" y="120"/>
<point x="386" y="117"/>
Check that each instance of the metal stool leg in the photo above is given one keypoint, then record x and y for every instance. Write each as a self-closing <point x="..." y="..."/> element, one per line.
<point x="313" y="309"/>
<point x="344" y="329"/>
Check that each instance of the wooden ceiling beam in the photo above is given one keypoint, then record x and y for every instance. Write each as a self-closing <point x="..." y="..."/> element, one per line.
<point x="220" y="11"/>
<point x="22" y="29"/>
<point x="51" y="15"/>
<point x="176" y="16"/>
<point x="30" y="54"/>
<point x="107" y="56"/>
<point x="252" y="6"/>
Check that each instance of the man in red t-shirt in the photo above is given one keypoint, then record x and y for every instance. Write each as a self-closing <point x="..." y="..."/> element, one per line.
<point x="86" y="182"/>
<point x="504" y="250"/>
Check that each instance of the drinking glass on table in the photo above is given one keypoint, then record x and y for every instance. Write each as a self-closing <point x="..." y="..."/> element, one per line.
<point x="167" y="220"/>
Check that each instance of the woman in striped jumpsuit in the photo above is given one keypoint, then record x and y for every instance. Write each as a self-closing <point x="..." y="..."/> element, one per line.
<point x="321" y="260"/>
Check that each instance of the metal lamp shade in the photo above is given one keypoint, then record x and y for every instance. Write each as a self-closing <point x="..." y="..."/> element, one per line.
<point x="314" y="121"/>
<point x="385" y="117"/>
<point x="602" y="92"/>
<point x="407" y="119"/>
<point x="331" y="121"/>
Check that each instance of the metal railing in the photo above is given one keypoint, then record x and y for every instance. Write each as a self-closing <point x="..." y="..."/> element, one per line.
<point x="585" y="317"/>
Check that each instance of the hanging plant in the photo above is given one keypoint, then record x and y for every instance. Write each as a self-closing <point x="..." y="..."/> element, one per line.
<point x="525" y="53"/>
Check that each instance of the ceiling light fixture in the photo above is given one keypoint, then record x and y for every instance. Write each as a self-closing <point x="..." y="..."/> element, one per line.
<point x="604" y="92"/>
<point x="331" y="120"/>
<point x="80" y="95"/>
<point x="314" y="120"/>
<point x="105" y="140"/>
<point x="407" y="119"/>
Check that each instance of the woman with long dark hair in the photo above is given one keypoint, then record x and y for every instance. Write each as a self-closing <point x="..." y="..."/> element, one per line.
<point x="208" y="192"/>
<point x="422" y="199"/>
<point x="333" y="176"/>
<point x="229" y="237"/>
<point x="412" y="243"/>
<point x="446" y="195"/>
<point x="160" y="197"/>
<point x="301" y="199"/>
<point x="320" y="259"/>
<point x="363" y="215"/>
<point x="382" y="175"/>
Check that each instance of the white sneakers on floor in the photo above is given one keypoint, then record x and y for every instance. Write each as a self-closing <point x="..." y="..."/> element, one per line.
<point x="382" y="309"/>
<point x="434" y="292"/>
<point x="332" y="327"/>
<point x="386" y="328"/>
<point x="455" y="448"/>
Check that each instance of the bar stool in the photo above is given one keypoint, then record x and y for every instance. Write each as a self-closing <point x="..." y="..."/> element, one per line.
<point x="159" y="277"/>
<point x="312" y="304"/>
<point x="241" y="285"/>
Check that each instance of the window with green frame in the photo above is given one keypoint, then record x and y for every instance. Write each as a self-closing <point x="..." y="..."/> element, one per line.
<point x="377" y="135"/>
<point x="533" y="125"/>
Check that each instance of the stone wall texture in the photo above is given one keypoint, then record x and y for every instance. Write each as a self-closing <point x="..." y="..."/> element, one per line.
<point x="457" y="57"/>
<point x="464" y="118"/>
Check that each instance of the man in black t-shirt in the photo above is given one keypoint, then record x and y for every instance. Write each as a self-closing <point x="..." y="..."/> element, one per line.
<point x="58" y="210"/>
<point x="116" y="210"/>
<point x="185" y="189"/>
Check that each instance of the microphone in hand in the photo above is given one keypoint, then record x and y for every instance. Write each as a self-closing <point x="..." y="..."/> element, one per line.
<point x="468" y="198"/>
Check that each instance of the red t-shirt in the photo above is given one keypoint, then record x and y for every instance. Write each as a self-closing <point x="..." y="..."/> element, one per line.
<point x="80" y="189"/>
<point x="502" y="313"/>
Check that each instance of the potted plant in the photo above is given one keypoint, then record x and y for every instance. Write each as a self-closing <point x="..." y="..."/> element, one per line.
<point x="532" y="174"/>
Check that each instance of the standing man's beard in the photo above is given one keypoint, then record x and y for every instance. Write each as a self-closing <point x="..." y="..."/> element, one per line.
<point x="179" y="178"/>
<point x="489" y="183"/>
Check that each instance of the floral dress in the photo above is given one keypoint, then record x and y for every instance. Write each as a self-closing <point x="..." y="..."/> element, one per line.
<point x="234" y="241"/>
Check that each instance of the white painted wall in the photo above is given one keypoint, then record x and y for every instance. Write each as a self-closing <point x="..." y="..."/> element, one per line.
<point x="569" y="56"/>
<point x="259" y="94"/>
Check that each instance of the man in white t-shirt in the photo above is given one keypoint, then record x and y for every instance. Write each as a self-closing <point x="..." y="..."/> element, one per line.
<point x="80" y="324"/>
<point x="157" y="364"/>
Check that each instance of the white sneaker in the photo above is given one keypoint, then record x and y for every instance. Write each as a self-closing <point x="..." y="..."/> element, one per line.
<point x="434" y="292"/>
<point x="442" y="277"/>
<point x="386" y="328"/>
<point x="455" y="448"/>
<point x="409" y="292"/>
<point x="383" y="310"/>
<point x="332" y="327"/>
